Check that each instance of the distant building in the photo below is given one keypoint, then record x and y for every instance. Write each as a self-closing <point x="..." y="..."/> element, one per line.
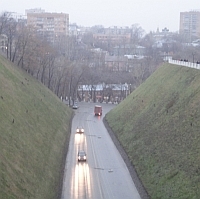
<point x="3" y="42"/>
<point x="74" y="30"/>
<point x="49" y="25"/>
<point x="128" y="49"/>
<point x="34" y="10"/>
<point x="16" y="16"/>
<point x="190" y="25"/>
<point x="103" y="92"/>
<point x="114" y="35"/>
<point x="116" y="63"/>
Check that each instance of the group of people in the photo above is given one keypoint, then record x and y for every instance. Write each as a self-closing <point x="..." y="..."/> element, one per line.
<point x="186" y="60"/>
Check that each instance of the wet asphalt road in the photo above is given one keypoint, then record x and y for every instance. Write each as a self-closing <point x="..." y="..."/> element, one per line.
<point x="104" y="175"/>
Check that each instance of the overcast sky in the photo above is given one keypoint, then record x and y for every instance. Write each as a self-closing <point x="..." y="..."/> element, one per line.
<point x="149" y="14"/>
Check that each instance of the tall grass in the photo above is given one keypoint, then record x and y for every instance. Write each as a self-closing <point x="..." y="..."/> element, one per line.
<point x="34" y="129"/>
<point x="158" y="126"/>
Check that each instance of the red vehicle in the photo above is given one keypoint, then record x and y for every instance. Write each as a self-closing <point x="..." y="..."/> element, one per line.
<point x="98" y="110"/>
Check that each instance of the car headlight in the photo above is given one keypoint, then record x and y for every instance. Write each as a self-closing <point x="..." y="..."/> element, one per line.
<point x="84" y="157"/>
<point x="82" y="130"/>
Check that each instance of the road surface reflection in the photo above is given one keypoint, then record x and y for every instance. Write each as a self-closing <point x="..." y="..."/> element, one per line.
<point x="80" y="182"/>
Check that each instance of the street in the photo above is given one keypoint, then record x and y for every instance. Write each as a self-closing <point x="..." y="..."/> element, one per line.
<point x="104" y="175"/>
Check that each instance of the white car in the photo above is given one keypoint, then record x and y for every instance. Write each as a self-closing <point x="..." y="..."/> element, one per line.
<point x="81" y="156"/>
<point x="80" y="130"/>
<point x="75" y="106"/>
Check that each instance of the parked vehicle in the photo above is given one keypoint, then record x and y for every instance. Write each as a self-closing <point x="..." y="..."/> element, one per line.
<point x="98" y="110"/>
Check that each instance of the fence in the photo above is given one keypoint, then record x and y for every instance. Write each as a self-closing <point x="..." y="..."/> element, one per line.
<point x="184" y="63"/>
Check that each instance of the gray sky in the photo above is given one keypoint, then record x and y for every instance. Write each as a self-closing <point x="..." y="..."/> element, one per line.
<point x="149" y="14"/>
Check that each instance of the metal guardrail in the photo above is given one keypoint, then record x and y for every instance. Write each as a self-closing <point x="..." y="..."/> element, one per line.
<point x="184" y="63"/>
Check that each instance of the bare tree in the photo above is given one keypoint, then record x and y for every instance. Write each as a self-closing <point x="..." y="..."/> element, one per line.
<point x="4" y="20"/>
<point x="10" y="31"/>
<point x="25" y="44"/>
<point x="136" y="34"/>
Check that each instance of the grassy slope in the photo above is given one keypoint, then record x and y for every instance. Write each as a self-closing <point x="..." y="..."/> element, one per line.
<point x="159" y="127"/>
<point x="31" y="148"/>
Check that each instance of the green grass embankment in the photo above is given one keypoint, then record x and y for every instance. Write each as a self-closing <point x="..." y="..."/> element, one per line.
<point x="34" y="131"/>
<point x="159" y="127"/>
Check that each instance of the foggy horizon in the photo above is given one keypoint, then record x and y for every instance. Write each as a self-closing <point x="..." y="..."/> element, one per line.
<point x="148" y="15"/>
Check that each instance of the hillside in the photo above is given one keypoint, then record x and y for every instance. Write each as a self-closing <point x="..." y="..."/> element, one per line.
<point x="158" y="126"/>
<point x="35" y="127"/>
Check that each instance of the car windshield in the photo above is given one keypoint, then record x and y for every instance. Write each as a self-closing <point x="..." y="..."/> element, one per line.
<point x="81" y="153"/>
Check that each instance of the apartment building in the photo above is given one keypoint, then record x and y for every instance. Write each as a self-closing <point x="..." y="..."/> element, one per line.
<point x="190" y="25"/>
<point x="114" y="35"/>
<point x="52" y="26"/>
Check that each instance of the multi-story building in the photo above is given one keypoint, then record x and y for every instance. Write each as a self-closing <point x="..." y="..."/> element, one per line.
<point x="114" y="35"/>
<point x="52" y="26"/>
<point x="116" y="63"/>
<point x="128" y="49"/>
<point x="190" y="25"/>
